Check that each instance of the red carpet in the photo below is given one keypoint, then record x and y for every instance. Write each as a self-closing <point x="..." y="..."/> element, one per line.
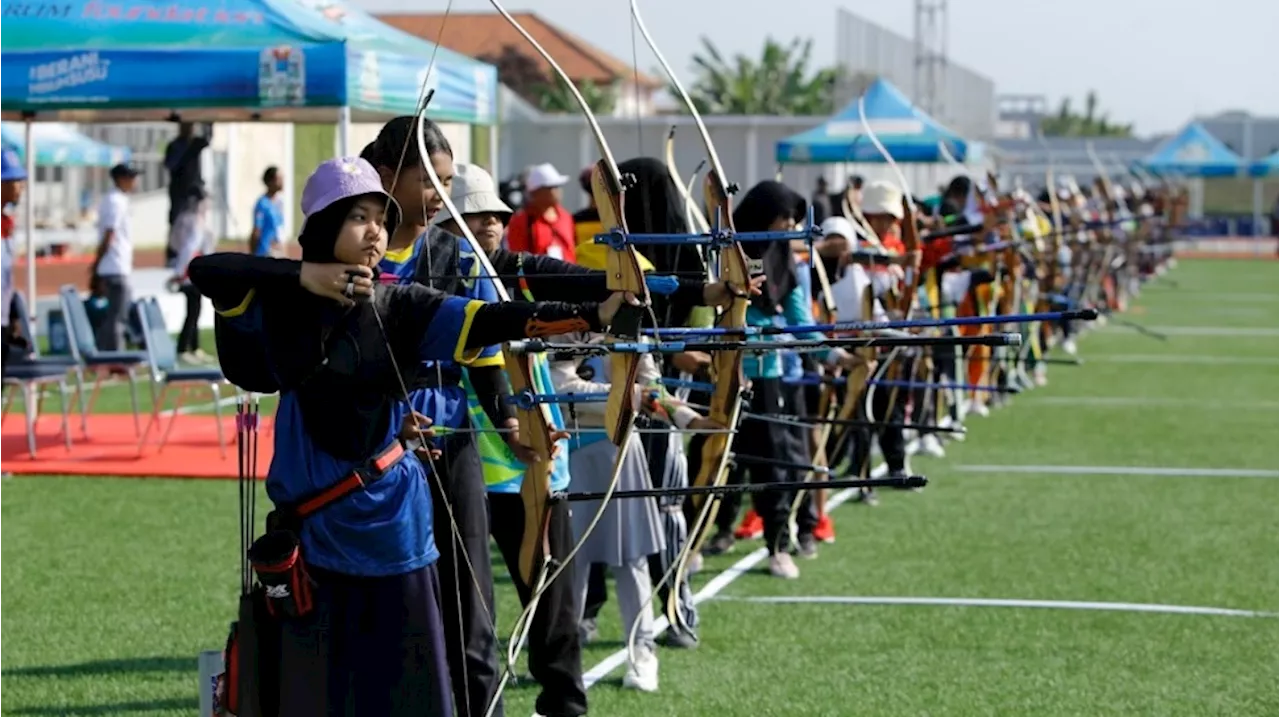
<point x="112" y="447"/>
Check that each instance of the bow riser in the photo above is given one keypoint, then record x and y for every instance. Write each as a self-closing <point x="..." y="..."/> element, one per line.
<point x="535" y="490"/>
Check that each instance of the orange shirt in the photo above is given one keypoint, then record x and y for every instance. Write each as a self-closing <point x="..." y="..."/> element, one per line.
<point x="537" y="235"/>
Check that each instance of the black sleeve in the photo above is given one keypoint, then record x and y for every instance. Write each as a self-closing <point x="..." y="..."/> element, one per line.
<point x="227" y="277"/>
<point x="492" y="388"/>
<point x="552" y="279"/>
<point x="410" y="309"/>
<point x="515" y="320"/>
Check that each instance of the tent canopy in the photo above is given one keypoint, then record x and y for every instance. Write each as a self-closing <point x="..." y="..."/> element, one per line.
<point x="60" y="145"/>
<point x="292" y="60"/>
<point x="1194" y="152"/>
<point x="1266" y="167"/>
<point x="907" y="133"/>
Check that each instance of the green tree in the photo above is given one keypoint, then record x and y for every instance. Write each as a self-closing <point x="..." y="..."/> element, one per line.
<point x="556" y="98"/>
<point x="779" y="83"/>
<point x="1067" y="123"/>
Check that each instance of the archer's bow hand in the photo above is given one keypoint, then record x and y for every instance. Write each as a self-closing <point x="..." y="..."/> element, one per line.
<point x="692" y="362"/>
<point x="610" y="307"/>
<point x="722" y="293"/>
<point x="526" y="454"/>
<point x="415" y="430"/>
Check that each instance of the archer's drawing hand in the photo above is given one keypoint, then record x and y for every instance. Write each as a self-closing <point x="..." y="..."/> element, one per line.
<point x="722" y="293"/>
<point x="415" y="426"/>
<point x="343" y="283"/>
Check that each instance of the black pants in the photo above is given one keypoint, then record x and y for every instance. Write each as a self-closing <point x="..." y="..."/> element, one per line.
<point x="189" y="337"/>
<point x="371" y="646"/>
<point x="555" y="649"/>
<point x="108" y="333"/>
<point x="892" y="444"/>
<point x="779" y="442"/>
<point x="467" y="599"/>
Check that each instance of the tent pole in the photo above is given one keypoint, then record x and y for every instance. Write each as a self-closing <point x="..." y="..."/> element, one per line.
<point x="344" y="131"/>
<point x="493" y="147"/>
<point x="28" y="221"/>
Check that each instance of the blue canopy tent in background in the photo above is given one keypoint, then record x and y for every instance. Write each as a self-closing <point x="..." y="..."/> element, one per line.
<point x="1266" y="167"/>
<point x="1194" y="152"/>
<point x="907" y="133"/>
<point x="289" y="60"/>
<point x="60" y="145"/>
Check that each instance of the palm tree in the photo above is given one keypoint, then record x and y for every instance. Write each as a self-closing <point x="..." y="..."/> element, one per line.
<point x="556" y="98"/>
<point x="779" y="83"/>
<point x="1090" y="124"/>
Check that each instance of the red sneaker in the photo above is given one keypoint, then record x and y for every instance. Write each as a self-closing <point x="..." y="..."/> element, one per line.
<point x="751" y="528"/>
<point x="825" y="530"/>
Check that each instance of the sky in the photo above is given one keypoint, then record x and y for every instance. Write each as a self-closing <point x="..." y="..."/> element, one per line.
<point x="1155" y="63"/>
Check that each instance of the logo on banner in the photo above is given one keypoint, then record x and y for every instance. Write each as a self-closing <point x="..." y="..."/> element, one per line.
<point x="282" y="76"/>
<point x="79" y="70"/>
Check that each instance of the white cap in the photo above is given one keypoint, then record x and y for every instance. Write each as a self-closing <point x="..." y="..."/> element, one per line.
<point x="544" y="175"/>
<point x="882" y="197"/>
<point x="839" y="226"/>
<point x="473" y="192"/>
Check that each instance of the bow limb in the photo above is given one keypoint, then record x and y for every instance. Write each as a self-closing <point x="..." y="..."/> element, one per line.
<point x="726" y="366"/>
<point x="623" y="274"/>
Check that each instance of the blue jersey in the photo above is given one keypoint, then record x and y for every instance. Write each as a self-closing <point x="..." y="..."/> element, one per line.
<point x="446" y="406"/>
<point x="385" y="529"/>
<point x="268" y="219"/>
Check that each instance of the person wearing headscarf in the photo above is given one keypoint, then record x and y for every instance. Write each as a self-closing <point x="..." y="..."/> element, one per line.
<point x="652" y="207"/>
<point x="360" y="625"/>
<point x="772" y="206"/>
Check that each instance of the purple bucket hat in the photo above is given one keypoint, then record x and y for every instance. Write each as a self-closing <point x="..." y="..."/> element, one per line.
<point x="341" y="178"/>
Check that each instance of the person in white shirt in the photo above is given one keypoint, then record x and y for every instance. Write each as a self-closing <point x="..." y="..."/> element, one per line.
<point x="109" y="278"/>
<point x="189" y="237"/>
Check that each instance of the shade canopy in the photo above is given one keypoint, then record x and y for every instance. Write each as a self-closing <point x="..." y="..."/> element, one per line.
<point x="907" y="133"/>
<point x="291" y="60"/>
<point x="1266" y="167"/>
<point x="61" y="145"/>
<point x="1194" y="152"/>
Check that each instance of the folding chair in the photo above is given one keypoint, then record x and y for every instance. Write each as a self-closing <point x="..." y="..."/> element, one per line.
<point x="30" y="376"/>
<point x="162" y="355"/>
<point x="84" y="349"/>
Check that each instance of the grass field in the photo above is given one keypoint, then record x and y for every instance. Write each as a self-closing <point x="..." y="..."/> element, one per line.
<point x="112" y="586"/>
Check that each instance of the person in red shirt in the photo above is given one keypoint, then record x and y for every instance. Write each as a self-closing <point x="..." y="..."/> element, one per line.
<point x="543" y="225"/>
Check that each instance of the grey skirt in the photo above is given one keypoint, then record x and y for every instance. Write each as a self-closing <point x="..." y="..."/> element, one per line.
<point x="630" y="528"/>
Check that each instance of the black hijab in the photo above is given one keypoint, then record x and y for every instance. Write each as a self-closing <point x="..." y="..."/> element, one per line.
<point x="760" y="208"/>
<point x="955" y="198"/>
<point x="653" y="205"/>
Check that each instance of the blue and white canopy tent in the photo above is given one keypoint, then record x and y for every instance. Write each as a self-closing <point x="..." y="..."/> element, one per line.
<point x="1266" y="167"/>
<point x="907" y="133"/>
<point x="60" y="145"/>
<point x="928" y="150"/>
<point x="1194" y="152"/>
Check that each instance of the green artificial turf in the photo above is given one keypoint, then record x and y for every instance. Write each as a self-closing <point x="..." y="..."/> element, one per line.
<point x="112" y="586"/>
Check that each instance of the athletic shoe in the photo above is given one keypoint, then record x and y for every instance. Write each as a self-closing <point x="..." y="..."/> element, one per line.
<point x="807" y="547"/>
<point x="642" y="673"/>
<point x="721" y="543"/>
<point x="866" y="496"/>
<point x="587" y="631"/>
<point x="782" y="566"/>
<point x="825" y="530"/>
<point x="678" y="640"/>
<point x="751" y="527"/>
<point x="931" y="445"/>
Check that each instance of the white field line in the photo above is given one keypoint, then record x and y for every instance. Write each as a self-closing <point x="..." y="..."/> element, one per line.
<point x="1141" y="402"/>
<point x="713" y="587"/>
<point x="997" y="602"/>
<point x="1174" y="358"/>
<point x="1122" y="471"/>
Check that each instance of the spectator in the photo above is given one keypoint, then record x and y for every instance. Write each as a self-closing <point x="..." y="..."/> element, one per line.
<point x="821" y="201"/>
<point x="13" y="180"/>
<point x="109" y="277"/>
<point x="182" y="159"/>
<point x="268" y="217"/>
<point x="586" y="222"/>
<point x="191" y="238"/>
<point x="543" y="225"/>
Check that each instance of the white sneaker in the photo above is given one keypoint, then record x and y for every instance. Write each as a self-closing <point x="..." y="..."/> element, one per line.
<point x="979" y="409"/>
<point x="782" y="566"/>
<point x="1069" y="346"/>
<point x="931" y="445"/>
<point x="1042" y="375"/>
<point x="642" y="673"/>
<point x="695" y="563"/>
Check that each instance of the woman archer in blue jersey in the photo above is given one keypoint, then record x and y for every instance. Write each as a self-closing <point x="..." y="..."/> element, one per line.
<point x="361" y="630"/>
